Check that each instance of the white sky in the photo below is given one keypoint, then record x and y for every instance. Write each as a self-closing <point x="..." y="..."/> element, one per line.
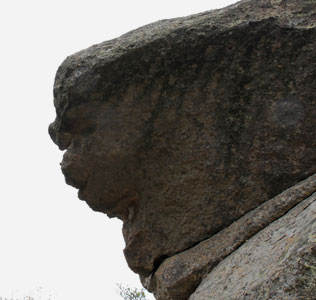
<point x="48" y="238"/>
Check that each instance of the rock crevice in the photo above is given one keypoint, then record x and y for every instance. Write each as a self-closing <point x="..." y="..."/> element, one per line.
<point x="188" y="268"/>
<point x="280" y="262"/>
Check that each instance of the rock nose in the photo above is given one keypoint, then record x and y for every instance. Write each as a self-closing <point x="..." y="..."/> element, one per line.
<point x="61" y="139"/>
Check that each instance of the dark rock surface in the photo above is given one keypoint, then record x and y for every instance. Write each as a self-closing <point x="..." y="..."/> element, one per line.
<point x="181" y="127"/>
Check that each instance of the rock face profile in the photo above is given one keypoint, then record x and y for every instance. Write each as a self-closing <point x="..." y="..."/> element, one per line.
<point x="199" y="133"/>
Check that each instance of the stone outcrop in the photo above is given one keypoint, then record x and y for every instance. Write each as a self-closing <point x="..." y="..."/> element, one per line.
<point x="277" y="263"/>
<point x="189" y="130"/>
<point x="179" y="275"/>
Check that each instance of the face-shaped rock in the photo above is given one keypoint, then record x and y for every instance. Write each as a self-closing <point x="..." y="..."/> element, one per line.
<point x="182" y="136"/>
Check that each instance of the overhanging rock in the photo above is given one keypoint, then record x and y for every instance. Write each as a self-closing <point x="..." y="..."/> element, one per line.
<point x="182" y="127"/>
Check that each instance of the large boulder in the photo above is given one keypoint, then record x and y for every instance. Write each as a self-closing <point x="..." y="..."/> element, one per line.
<point x="183" y="126"/>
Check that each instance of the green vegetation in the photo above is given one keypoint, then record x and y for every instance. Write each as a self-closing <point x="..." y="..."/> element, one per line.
<point x="131" y="294"/>
<point x="125" y="292"/>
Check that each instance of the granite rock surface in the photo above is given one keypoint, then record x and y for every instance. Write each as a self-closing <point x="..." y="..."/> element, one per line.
<point x="182" y="127"/>
<point x="277" y="263"/>
<point x="179" y="275"/>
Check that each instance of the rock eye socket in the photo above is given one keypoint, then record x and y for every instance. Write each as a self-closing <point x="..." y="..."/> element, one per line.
<point x="81" y="125"/>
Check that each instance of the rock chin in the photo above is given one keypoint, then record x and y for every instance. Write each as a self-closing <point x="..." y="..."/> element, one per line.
<point x="184" y="127"/>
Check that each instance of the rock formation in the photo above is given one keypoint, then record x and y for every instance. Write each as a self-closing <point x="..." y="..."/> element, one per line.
<point x="196" y="132"/>
<point x="277" y="263"/>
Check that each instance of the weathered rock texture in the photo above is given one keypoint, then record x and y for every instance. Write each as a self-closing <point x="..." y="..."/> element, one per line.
<point x="182" y="127"/>
<point x="279" y="263"/>
<point x="179" y="275"/>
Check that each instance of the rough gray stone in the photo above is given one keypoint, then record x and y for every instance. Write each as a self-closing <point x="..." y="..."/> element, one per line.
<point x="277" y="263"/>
<point x="181" y="127"/>
<point x="179" y="275"/>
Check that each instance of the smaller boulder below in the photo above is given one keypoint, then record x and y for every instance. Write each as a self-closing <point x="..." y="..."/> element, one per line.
<point x="179" y="275"/>
<point x="277" y="263"/>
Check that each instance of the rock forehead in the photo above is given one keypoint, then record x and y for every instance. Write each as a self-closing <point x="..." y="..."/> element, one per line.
<point x="181" y="127"/>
